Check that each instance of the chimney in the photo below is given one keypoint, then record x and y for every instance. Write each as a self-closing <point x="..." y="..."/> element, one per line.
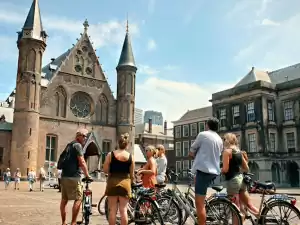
<point x="150" y="125"/>
<point x="165" y="127"/>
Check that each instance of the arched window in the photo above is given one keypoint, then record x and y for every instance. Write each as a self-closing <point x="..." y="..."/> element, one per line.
<point x="102" y="109"/>
<point x="60" y="102"/>
<point x="31" y="60"/>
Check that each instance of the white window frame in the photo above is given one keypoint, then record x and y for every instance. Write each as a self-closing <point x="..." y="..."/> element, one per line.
<point x="271" y="114"/>
<point x="183" y="148"/>
<point x="184" y="129"/>
<point x="272" y="142"/>
<point x="201" y="123"/>
<point x="288" y="107"/>
<point x="250" y="112"/>
<point x="178" y="150"/>
<point x="235" y="113"/>
<point x="252" y="144"/>
<point x="223" y="117"/>
<point x="290" y="143"/>
<point x="185" y="167"/>
<point x="178" y="132"/>
<point x="193" y="131"/>
<point x="178" y="166"/>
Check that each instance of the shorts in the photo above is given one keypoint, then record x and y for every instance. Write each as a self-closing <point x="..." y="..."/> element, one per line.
<point x="17" y="180"/>
<point x="71" y="189"/>
<point x="202" y="182"/>
<point x="235" y="185"/>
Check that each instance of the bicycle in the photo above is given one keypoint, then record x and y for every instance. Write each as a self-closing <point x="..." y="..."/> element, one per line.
<point x="212" y="204"/>
<point x="102" y="200"/>
<point x="266" y="206"/>
<point x="141" y="201"/>
<point x="86" y="202"/>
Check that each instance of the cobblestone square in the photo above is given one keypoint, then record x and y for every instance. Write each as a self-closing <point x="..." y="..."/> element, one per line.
<point x="42" y="208"/>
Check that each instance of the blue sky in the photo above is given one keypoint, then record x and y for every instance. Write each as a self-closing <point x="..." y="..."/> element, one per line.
<point x="185" y="50"/>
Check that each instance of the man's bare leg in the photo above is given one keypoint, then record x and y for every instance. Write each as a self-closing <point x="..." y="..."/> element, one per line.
<point x="201" y="212"/>
<point x="75" y="211"/>
<point x="63" y="214"/>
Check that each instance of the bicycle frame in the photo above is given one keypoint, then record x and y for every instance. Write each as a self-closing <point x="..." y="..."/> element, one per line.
<point x="87" y="199"/>
<point x="177" y="194"/>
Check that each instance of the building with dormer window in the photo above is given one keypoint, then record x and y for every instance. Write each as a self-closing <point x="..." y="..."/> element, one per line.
<point x="263" y="110"/>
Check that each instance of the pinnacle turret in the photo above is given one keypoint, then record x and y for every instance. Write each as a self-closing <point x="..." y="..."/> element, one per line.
<point x="126" y="58"/>
<point x="33" y="27"/>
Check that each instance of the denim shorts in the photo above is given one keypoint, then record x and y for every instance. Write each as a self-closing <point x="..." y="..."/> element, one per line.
<point x="202" y="182"/>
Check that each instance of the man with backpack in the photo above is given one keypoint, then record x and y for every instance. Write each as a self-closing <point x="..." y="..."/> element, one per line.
<point x="72" y="164"/>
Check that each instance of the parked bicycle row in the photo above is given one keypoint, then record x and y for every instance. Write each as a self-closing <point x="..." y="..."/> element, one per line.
<point x="161" y="205"/>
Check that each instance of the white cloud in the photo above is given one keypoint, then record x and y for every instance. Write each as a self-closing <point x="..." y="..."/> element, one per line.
<point x="145" y="69"/>
<point x="151" y="6"/>
<point x="268" y="22"/>
<point x="174" y="98"/>
<point x="275" y="47"/>
<point x="151" y="45"/>
<point x="109" y="33"/>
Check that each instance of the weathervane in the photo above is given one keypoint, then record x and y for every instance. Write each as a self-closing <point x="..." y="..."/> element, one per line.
<point x="127" y="27"/>
<point x="86" y="25"/>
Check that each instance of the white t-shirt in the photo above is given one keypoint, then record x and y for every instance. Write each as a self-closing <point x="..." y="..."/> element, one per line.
<point x="31" y="175"/>
<point x="207" y="147"/>
<point x="162" y="163"/>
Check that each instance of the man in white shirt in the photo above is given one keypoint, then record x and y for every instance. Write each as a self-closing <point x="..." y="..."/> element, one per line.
<point x="206" y="151"/>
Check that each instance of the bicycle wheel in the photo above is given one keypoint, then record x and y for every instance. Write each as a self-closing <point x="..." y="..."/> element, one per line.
<point x="222" y="211"/>
<point x="170" y="210"/>
<point x="86" y="218"/>
<point x="283" y="214"/>
<point x="147" y="212"/>
<point x="101" y="205"/>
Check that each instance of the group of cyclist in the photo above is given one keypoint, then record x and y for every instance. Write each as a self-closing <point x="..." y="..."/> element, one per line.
<point x="206" y="151"/>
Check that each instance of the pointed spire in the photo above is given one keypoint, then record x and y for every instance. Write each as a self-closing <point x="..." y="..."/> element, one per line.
<point x="126" y="58"/>
<point x="33" y="27"/>
<point x="86" y="25"/>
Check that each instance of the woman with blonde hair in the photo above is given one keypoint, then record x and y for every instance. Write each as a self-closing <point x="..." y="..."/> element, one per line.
<point x="149" y="170"/>
<point x="233" y="162"/>
<point x="42" y="178"/>
<point x="119" y="165"/>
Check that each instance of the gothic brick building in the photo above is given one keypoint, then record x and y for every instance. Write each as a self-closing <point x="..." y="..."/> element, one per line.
<point x="50" y="103"/>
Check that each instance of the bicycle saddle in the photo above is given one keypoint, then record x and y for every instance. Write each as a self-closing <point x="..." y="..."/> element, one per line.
<point x="136" y="185"/>
<point x="217" y="188"/>
<point x="265" y="186"/>
<point x="87" y="180"/>
<point x="160" y="185"/>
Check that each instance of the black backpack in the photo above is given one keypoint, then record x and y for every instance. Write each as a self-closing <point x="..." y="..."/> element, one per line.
<point x="64" y="156"/>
